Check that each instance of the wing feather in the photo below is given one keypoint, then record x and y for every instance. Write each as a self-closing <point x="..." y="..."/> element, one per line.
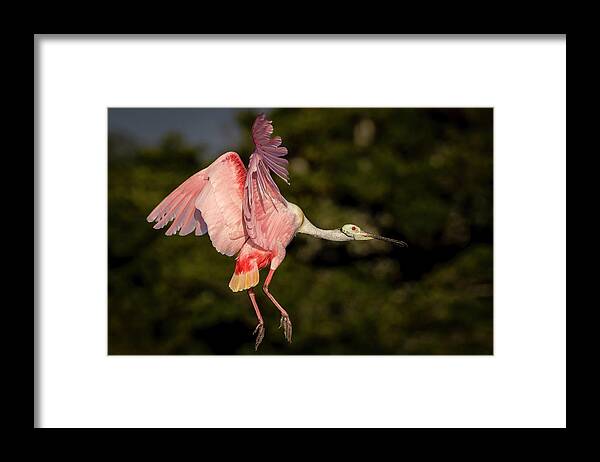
<point x="210" y="201"/>
<point x="261" y="195"/>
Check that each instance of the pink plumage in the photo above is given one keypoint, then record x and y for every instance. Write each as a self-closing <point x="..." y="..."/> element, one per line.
<point x="209" y="201"/>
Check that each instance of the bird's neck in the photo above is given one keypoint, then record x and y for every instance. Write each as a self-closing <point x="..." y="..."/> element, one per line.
<point x="328" y="234"/>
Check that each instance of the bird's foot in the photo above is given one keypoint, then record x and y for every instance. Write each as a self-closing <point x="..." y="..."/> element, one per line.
<point x="287" y="327"/>
<point x="260" y="335"/>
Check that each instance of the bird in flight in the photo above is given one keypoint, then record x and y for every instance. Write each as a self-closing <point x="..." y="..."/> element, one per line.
<point x="245" y="214"/>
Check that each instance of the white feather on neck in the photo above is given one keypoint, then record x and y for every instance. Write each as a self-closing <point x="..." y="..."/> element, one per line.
<point x="328" y="234"/>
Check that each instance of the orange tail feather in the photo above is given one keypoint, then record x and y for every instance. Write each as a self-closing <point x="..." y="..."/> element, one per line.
<point x="245" y="280"/>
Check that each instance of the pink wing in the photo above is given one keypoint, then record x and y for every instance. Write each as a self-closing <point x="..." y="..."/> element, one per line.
<point x="262" y="198"/>
<point x="209" y="201"/>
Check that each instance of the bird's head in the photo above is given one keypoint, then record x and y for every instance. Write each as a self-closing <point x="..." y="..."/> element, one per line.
<point x="358" y="234"/>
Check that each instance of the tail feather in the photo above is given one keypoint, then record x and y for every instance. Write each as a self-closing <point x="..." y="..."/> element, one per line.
<point x="245" y="280"/>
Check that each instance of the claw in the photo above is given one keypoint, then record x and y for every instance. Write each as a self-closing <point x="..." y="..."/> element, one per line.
<point x="287" y="328"/>
<point x="261" y="334"/>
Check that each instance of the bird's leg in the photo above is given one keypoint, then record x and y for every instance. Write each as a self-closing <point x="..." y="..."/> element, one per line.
<point x="285" y="318"/>
<point x="261" y="325"/>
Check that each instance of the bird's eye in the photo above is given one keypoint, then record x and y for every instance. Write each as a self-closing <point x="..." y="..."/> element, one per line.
<point x="354" y="228"/>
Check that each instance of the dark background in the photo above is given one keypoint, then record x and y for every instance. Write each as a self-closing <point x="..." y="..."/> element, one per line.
<point x="420" y="175"/>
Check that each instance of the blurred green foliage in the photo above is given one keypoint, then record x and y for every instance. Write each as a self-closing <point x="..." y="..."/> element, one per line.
<point x="420" y="175"/>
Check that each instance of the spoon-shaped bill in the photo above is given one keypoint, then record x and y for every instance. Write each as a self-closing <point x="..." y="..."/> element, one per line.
<point x="387" y="239"/>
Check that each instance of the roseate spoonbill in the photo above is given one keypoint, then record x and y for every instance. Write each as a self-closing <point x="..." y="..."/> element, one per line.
<point x="244" y="213"/>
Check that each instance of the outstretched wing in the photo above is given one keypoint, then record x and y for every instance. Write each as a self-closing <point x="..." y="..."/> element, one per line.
<point x="262" y="197"/>
<point x="209" y="201"/>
